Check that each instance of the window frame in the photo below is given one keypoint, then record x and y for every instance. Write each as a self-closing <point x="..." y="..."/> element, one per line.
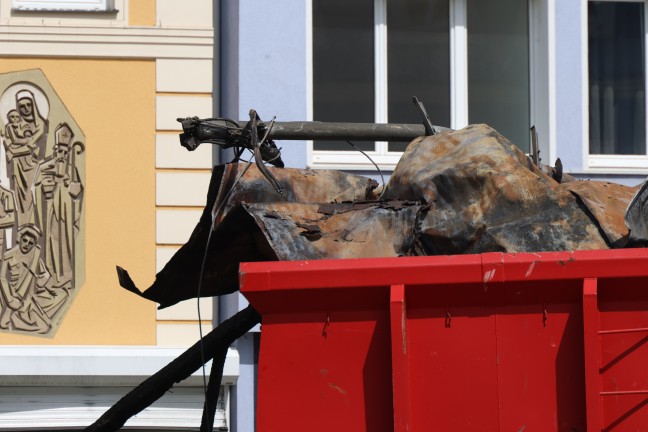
<point x="350" y="160"/>
<point x="63" y="6"/>
<point x="458" y="75"/>
<point x="617" y="163"/>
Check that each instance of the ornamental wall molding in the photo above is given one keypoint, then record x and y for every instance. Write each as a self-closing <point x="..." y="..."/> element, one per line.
<point x="106" y="42"/>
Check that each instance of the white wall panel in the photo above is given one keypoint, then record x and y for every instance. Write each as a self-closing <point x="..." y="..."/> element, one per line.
<point x="163" y="255"/>
<point x="191" y="13"/>
<point x="180" y="335"/>
<point x="181" y="188"/>
<point x="188" y="76"/>
<point x="175" y="226"/>
<point x="170" y="154"/>
<point x="187" y="310"/>
<point x="169" y="108"/>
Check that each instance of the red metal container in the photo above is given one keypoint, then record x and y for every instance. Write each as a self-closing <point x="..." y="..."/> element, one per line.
<point x="550" y="341"/>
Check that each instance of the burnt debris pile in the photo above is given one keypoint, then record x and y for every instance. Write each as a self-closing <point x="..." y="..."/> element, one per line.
<point x="454" y="192"/>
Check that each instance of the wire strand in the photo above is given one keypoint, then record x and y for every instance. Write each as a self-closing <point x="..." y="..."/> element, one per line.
<point x="214" y="215"/>
<point x="382" y="178"/>
<point x="202" y="272"/>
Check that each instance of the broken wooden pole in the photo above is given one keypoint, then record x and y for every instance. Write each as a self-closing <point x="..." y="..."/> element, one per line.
<point x="179" y="369"/>
<point x="213" y="391"/>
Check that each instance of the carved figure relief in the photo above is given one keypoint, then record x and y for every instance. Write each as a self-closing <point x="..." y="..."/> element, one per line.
<point x="42" y="166"/>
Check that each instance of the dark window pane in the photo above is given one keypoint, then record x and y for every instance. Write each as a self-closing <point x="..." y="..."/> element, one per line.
<point x="419" y="61"/>
<point x="617" y="107"/>
<point x="498" y="67"/>
<point x="343" y="65"/>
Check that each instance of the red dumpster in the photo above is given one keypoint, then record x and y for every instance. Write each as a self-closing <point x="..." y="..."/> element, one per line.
<point x="550" y="341"/>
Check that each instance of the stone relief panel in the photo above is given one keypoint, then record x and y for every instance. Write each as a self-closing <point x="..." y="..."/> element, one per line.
<point x="42" y="172"/>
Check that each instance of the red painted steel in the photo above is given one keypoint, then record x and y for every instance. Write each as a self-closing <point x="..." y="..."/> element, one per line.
<point x="592" y="341"/>
<point x="550" y="341"/>
<point x="400" y="359"/>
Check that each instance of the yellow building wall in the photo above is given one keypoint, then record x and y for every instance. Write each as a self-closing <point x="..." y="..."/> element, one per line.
<point x="141" y="13"/>
<point x="113" y="101"/>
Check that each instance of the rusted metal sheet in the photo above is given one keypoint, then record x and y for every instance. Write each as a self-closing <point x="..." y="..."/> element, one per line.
<point x="484" y="195"/>
<point x="237" y="238"/>
<point x="339" y="230"/>
<point x="607" y="202"/>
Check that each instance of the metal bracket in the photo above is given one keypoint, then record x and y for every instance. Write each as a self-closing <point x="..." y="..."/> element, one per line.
<point x="429" y="128"/>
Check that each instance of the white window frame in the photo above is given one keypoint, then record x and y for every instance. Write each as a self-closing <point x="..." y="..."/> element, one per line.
<point x="63" y="5"/>
<point x="610" y="164"/>
<point x="350" y="160"/>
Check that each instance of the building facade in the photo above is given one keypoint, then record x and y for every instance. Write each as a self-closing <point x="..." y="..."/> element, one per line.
<point x="126" y="69"/>
<point x="118" y="73"/>
<point x="509" y="63"/>
<point x="574" y="69"/>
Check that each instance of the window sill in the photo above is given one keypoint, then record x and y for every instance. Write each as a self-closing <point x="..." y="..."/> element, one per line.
<point x="352" y="160"/>
<point x="67" y="11"/>
<point x="616" y="164"/>
<point x="356" y="161"/>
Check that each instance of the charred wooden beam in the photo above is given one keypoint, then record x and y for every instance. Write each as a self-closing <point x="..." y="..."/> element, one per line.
<point x="349" y="131"/>
<point x="229" y="133"/>
<point x="216" y="341"/>
<point x="213" y="391"/>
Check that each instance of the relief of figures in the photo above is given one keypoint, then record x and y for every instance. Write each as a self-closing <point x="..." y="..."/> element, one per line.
<point x="57" y="192"/>
<point x="23" y="276"/>
<point x="25" y="137"/>
<point x="40" y="210"/>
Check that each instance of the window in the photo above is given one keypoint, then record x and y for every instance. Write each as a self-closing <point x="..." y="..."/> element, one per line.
<point x="63" y="5"/>
<point x="617" y="78"/>
<point x="467" y="60"/>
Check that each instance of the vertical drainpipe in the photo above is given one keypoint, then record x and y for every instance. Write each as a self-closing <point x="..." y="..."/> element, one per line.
<point x="226" y="104"/>
<point x="216" y="110"/>
<point x="221" y="415"/>
<point x="228" y="97"/>
<point x="216" y="73"/>
<point x="242" y="395"/>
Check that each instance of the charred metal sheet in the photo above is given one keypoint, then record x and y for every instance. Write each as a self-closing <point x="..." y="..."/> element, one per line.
<point x="345" y="230"/>
<point x="245" y="183"/>
<point x="607" y="202"/>
<point x="636" y="217"/>
<point x="483" y="195"/>
<point x="239" y="240"/>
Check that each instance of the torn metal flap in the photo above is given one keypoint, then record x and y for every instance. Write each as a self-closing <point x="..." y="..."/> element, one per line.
<point x="607" y="202"/>
<point x="239" y="240"/>
<point x="636" y="216"/>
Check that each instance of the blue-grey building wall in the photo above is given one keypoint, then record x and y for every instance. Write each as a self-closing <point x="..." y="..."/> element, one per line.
<point x="264" y="65"/>
<point x="569" y="88"/>
<point x="272" y="66"/>
<point x="571" y="102"/>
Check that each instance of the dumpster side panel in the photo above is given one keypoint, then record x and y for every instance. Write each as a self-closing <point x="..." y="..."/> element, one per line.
<point x="540" y="359"/>
<point x="453" y="369"/>
<point x="338" y="361"/>
<point x="500" y="366"/>
<point x="624" y="356"/>
<point x="553" y="341"/>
